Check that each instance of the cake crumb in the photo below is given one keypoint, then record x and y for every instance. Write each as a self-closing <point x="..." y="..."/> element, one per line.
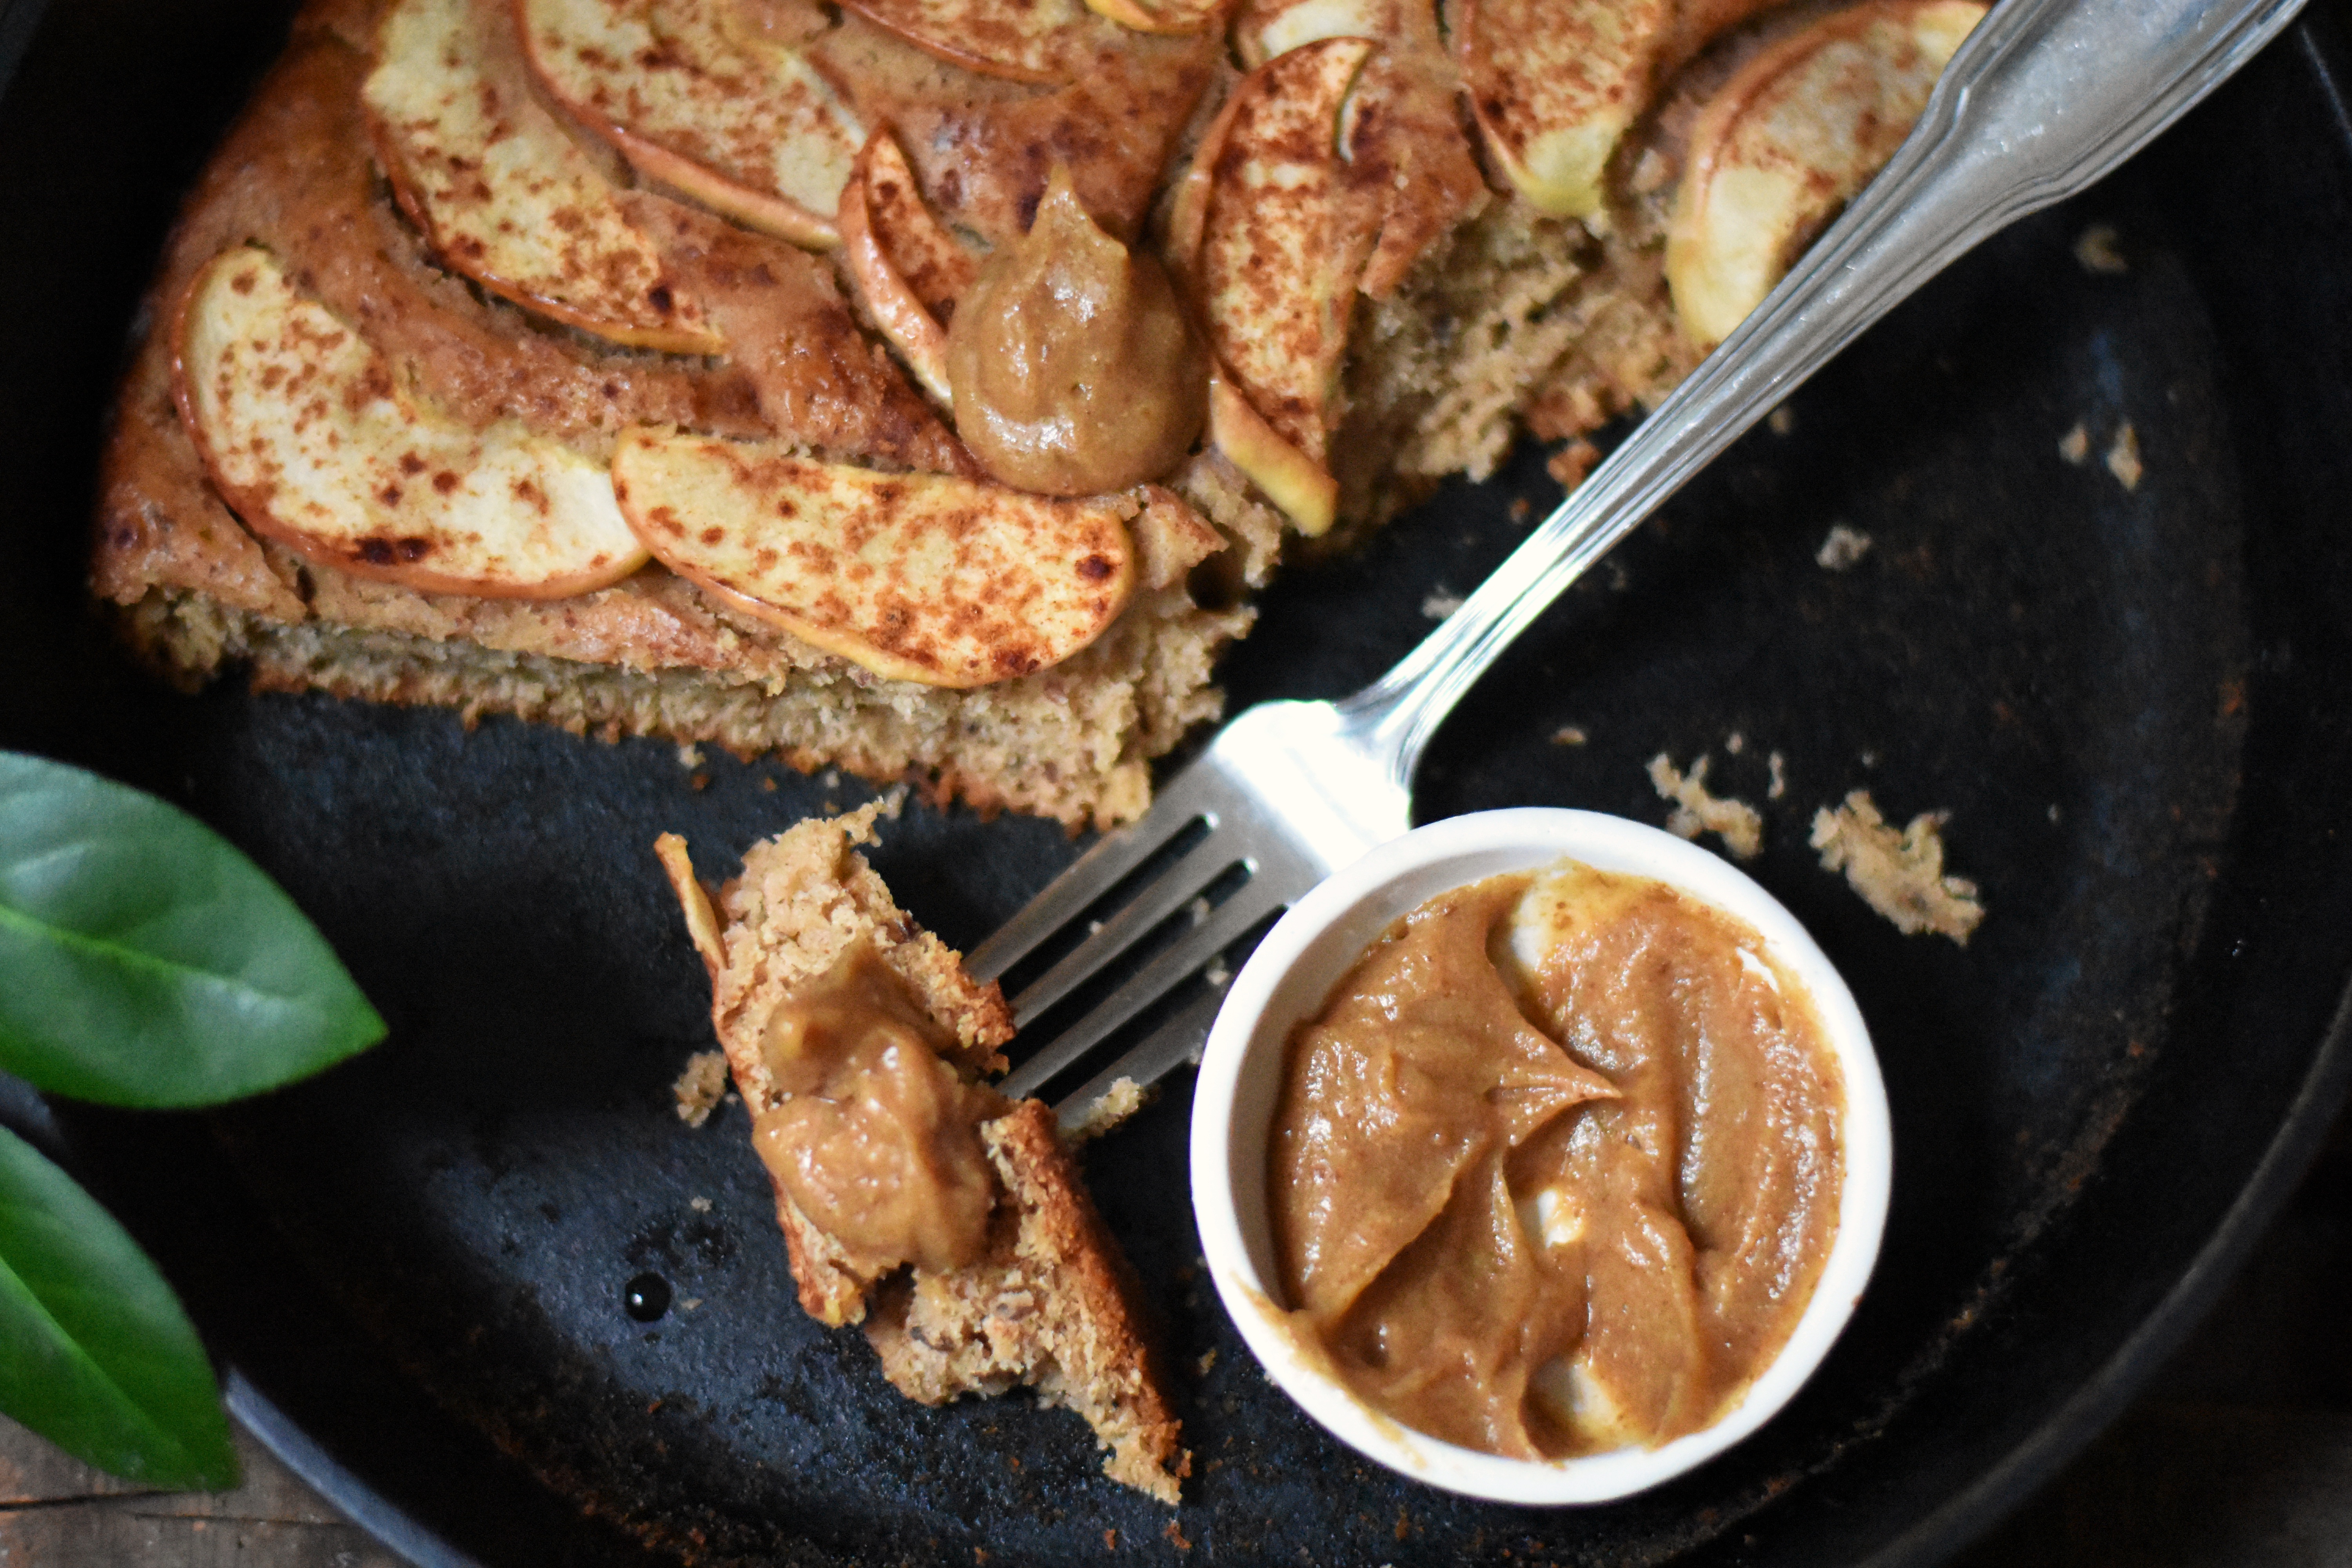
<point x="1217" y="975"/>
<point x="1175" y="1532"/>
<point x="1110" y="1541"/>
<point x="1781" y="421"/>
<point x="1780" y="784"/>
<point x="1735" y="742"/>
<point x="2097" y="252"/>
<point x="1201" y="1368"/>
<point x="1843" y="549"/>
<point x="2076" y="445"/>
<point x="699" y="1205"/>
<point x="1569" y="735"/>
<point x="1122" y="1099"/>
<point x="1521" y="509"/>
<point x="894" y="800"/>
<point x="2123" y="458"/>
<point x="699" y="1087"/>
<point x="1900" y="875"/>
<point x="1736" y="822"/>
<point x="1200" y="910"/>
<point x="767" y="787"/>
<point x="1572" y="462"/>
<point x="689" y="756"/>
<point x="689" y="1303"/>
<point x="1441" y="603"/>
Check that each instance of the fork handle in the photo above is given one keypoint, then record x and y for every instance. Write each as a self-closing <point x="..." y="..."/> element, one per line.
<point x="2043" y="99"/>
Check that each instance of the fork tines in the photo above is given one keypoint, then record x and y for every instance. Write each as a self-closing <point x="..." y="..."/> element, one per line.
<point x="1205" y="864"/>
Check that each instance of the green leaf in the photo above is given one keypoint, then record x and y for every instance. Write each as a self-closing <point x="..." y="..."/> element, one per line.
<point x="145" y="962"/>
<point x="95" y="1354"/>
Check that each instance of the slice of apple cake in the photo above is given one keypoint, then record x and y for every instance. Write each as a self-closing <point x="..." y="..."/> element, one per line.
<point x="919" y="386"/>
<point x="949" y="1220"/>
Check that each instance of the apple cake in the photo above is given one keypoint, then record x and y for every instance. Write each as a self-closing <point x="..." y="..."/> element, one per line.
<point x="948" y="1219"/>
<point x="921" y="386"/>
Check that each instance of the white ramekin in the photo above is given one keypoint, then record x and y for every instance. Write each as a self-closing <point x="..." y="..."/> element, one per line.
<point x="1288" y="979"/>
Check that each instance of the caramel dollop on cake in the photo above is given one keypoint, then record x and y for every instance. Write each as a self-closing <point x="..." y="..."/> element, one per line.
<point x="874" y="1135"/>
<point x="950" y="1221"/>
<point x="1074" y="368"/>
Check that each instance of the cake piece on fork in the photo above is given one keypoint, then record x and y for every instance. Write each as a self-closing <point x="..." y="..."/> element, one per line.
<point x="915" y="1199"/>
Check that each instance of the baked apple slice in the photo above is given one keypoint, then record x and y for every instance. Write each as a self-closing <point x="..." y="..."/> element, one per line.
<point x="1299" y="486"/>
<point x="1177" y="17"/>
<point x="926" y="577"/>
<point x="502" y="192"/>
<point x="1273" y="235"/>
<point x="1044" y="41"/>
<point x="1783" y="146"/>
<point x="1404" y="137"/>
<point x="308" y="435"/>
<point x="907" y="270"/>
<point x="1556" y="84"/>
<point x="755" y="134"/>
<point x="983" y="148"/>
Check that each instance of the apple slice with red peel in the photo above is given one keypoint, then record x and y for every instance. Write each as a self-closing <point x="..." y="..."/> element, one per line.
<point x="904" y="264"/>
<point x="1783" y="145"/>
<point x="308" y="435"/>
<point x="501" y="189"/>
<point x="753" y="134"/>
<point x="1555" y="84"/>
<point x="926" y="577"/>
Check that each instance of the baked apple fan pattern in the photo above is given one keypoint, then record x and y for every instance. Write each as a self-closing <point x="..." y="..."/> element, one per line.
<point x="622" y="336"/>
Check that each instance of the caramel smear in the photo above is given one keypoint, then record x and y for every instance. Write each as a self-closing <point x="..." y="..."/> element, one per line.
<point x="1073" y="367"/>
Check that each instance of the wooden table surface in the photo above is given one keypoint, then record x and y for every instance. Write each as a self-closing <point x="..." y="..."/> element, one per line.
<point x="56" y="1512"/>
<point x="2238" y="1456"/>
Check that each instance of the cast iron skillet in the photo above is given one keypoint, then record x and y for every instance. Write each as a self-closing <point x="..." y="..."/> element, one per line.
<point x="2136" y="705"/>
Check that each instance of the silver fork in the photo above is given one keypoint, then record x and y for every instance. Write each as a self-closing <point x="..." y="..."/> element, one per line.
<point x="2044" y="98"/>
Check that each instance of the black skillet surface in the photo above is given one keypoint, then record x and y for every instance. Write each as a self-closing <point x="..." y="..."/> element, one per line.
<point x="2134" y="704"/>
